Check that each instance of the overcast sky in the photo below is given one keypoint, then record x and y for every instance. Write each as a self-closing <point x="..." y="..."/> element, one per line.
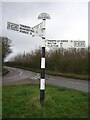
<point x="69" y="20"/>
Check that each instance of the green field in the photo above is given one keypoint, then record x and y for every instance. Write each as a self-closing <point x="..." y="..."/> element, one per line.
<point x="23" y="102"/>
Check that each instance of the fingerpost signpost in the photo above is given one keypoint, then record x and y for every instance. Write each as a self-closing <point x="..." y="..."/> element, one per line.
<point x="38" y="30"/>
<point x="43" y="16"/>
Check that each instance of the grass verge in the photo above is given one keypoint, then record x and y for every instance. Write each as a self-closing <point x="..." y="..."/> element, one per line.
<point x="23" y="102"/>
<point x="69" y="75"/>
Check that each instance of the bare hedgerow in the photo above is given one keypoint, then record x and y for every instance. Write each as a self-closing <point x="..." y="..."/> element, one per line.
<point x="60" y="60"/>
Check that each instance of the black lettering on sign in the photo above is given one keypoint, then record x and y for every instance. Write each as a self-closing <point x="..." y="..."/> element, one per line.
<point x="24" y="26"/>
<point x="12" y="26"/>
<point x="23" y="31"/>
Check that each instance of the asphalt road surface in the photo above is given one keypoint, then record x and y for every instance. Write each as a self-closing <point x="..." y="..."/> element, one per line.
<point x="18" y="76"/>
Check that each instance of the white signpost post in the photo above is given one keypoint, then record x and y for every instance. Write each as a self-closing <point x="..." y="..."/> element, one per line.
<point x="38" y="30"/>
<point x="43" y="16"/>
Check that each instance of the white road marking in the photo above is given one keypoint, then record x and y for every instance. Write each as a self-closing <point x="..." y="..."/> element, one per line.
<point x="20" y="73"/>
<point x="36" y="77"/>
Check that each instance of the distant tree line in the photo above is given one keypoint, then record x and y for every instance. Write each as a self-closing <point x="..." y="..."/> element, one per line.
<point x="60" y="60"/>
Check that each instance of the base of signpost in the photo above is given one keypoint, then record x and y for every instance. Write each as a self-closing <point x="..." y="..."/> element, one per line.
<point x="42" y="96"/>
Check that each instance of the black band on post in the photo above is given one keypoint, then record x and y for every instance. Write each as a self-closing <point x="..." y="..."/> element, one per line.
<point x="43" y="52"/>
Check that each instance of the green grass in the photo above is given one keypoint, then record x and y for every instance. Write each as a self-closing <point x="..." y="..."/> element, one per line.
<point x="23" y="102"/>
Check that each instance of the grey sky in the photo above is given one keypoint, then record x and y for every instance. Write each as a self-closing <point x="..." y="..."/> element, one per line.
<point x="68" y="21"/>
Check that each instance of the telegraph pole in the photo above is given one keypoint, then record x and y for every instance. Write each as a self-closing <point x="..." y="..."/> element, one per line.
<point x="43" y="16"/>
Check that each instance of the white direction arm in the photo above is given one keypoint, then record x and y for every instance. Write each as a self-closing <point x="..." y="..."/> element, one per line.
<point x="34" y="31"/>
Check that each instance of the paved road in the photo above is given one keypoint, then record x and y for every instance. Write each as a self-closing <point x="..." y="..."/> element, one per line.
<point x="19" y="76"/>
<point x="16" y="74"/>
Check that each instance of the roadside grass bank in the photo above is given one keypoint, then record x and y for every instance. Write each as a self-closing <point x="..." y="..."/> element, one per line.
<point x="23" y="102"/>
<point x="4" y="71"/>
<point x="67" y="75"/>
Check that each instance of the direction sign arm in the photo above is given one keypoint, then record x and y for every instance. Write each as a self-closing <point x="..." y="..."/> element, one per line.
<point x="20" y="28"/>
